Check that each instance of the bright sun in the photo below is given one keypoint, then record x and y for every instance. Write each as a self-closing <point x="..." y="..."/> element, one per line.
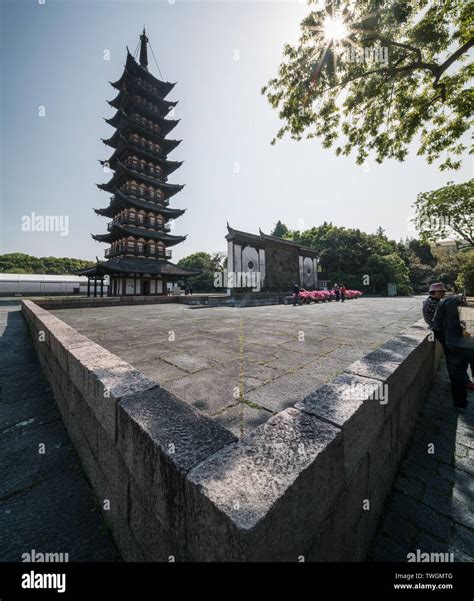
<point x="334" y="28"/>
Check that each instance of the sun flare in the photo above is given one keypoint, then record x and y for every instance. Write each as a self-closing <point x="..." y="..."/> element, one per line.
<point x="334" y="28"/>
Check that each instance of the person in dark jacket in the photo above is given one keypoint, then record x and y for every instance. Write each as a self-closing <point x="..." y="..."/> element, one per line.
<point x="459" y="347"/>
<point x="296" y="294"/>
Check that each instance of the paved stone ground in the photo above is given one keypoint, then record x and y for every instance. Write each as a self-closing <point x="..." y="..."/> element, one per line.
<point x="431" y="506"/>
<point x="46" y="503"/>
<point x="240" y="366"/>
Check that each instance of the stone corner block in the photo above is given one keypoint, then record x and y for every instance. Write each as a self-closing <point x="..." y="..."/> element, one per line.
<point x="160" y="439"/>
<point x="263" y="497"/>
<point x="103" y="379"/>
<point x="354" y="404"/>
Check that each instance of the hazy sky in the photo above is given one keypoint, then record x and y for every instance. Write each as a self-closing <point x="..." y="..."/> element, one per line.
<point x="53" y="56"/>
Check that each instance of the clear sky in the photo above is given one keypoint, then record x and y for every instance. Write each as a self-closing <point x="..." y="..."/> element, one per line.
<point x="221" y="54"/>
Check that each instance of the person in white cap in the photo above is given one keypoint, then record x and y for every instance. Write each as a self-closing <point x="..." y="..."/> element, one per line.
<point x="437" y="292"/>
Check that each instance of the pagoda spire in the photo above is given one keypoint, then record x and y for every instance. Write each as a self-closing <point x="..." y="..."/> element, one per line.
<point x="143" y="50"/>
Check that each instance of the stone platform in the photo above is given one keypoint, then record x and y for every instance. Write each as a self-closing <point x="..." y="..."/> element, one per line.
<point x="241" y="366"/>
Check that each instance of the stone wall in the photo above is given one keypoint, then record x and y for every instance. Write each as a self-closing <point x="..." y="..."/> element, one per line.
<point x="310" y="482"/>
<point x="282" y="268"/>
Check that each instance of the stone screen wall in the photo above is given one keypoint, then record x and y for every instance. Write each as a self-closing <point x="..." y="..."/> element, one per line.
<point x="280" y="263"/>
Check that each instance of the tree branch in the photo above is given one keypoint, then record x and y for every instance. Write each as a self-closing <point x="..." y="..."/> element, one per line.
<point x="454" y="57"/>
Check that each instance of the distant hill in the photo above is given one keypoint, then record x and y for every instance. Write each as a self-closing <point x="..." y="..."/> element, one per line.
<point x="21" y="263"/>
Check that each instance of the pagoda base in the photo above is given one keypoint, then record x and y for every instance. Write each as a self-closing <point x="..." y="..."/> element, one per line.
<point x="137" y="286"/>
<point x="134" y="277"/>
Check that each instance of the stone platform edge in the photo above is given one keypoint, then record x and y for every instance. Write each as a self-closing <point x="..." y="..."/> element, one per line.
<point x="173" y="484"/>
<point x="253" y="299"/>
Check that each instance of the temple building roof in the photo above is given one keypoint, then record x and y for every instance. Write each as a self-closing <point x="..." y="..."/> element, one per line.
<point x="262" y="239"/>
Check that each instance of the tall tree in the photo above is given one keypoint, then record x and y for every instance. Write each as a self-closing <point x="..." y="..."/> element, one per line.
<point x="447" y="213"/>
<point x="371" y="75"/>
<point x="422" y="250"/>
<point x="280" y="230"/>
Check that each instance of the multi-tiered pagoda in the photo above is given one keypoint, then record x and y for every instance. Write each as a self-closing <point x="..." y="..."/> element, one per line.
<point x="140" y="216"/>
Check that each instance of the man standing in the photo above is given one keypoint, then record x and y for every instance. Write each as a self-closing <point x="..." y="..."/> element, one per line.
<point x="342" y="290"/>
<point x="458" y="346"/>
<point x="436" y="294"/>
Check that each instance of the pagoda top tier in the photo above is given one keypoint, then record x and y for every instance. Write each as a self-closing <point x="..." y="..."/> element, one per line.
<point x="135" y="75"/>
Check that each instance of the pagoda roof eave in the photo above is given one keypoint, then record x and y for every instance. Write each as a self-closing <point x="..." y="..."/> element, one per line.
<point x="167" y="125"/>
<point x="123" y="200"/>
<point x="129" y="265"/>
<point x="113" y="141"/>
<point x="160" y="183"/>
<point x="169" y="190"/>
<point x="121" y="116"/>
<point x="133" y="69"/>
<point x="122" y="95"/>
<point x="167" y="166"/>
<point x="118" y="231"/>
<point x="129" y="125"/>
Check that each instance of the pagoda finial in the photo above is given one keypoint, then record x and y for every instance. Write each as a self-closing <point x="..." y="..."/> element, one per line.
<point x="143" y="50"/>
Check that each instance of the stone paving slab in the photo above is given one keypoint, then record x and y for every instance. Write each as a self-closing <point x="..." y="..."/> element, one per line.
<point x="276" y="354"/>
<point x="432" y="504"/>
<point x="46" y="503"/>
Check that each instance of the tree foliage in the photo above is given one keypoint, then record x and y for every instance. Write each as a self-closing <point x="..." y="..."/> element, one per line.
<point x="208" y="264"/>
<point x="385" y="269"/>
<point x="22" y="263"/>
<point x="422" y="250"/>
<point x="415" y="86"/>
<point x="447" y="213"/>
<point x="349" y="255"/>
<point x="465" y="279"/>
<point x="420" y="273"/>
